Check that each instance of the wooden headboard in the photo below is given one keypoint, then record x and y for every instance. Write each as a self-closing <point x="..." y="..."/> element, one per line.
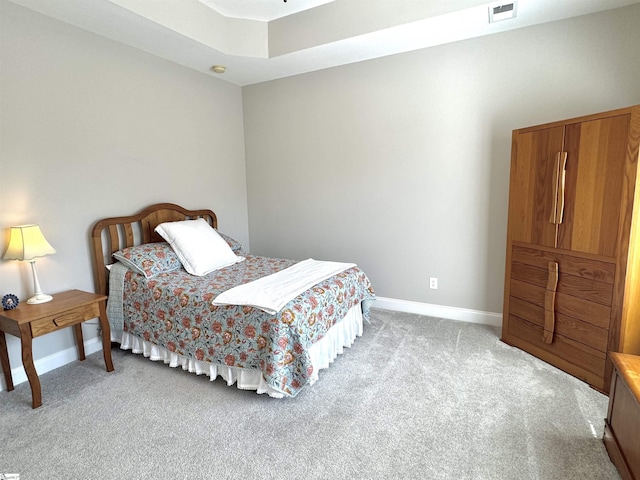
<point x="112" y="234"/>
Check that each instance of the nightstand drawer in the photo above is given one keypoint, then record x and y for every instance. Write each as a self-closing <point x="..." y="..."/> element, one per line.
<point x="64" y="319"/>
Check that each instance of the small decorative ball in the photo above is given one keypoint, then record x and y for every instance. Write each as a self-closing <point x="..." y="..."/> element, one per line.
<point x="10" y="301"/>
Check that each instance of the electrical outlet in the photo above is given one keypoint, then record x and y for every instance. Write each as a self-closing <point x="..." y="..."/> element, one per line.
<point x="433" y="283"/>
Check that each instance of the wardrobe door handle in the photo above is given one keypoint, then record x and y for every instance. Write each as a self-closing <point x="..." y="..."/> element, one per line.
<point x="550" y="302"/>
<point x="559" y="174"/>
<point x="562" y="172"/>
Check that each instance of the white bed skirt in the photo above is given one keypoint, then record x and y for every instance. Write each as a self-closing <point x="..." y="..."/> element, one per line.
<point x="322" y="353"/>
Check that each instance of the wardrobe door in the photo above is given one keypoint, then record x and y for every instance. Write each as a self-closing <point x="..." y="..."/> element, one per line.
<point x="531" y="198"/>
<point x="593" y="192"/>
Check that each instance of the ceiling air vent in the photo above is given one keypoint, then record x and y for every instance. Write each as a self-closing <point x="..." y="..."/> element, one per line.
<point x="502" y="12"/>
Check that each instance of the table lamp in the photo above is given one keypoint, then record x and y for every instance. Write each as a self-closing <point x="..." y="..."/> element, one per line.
<point x="26" y="242"/>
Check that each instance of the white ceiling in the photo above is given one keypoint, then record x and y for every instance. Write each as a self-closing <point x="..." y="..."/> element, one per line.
<point x="264" y="10"/>
<point x="261" y="40"/>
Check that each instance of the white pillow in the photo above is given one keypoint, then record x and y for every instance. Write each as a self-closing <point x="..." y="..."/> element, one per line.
<point x="200" y="248"/>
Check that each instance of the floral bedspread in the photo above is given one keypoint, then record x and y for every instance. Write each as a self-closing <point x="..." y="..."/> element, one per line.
<point x="174" y="310"/>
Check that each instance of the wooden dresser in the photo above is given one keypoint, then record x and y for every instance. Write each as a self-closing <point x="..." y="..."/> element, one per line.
<point x="572" y="281"/>
<point x="622" y="425"/>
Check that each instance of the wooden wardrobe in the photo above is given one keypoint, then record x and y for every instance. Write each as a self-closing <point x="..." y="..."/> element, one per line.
<point x="572" y="282"/>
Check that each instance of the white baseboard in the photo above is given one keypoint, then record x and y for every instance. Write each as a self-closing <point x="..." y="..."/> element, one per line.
<point x="69" y="355"/>
<point x="53" y="361"/>
<point x="439" y="311"/>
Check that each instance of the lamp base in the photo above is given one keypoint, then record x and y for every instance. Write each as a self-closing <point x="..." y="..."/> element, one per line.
<point x="40" y="298"/>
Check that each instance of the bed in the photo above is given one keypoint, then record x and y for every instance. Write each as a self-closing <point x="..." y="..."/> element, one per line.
<point x="160" y="310"/>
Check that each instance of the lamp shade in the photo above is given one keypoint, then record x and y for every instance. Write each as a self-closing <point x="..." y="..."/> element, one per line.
<point x="26" y="242"/>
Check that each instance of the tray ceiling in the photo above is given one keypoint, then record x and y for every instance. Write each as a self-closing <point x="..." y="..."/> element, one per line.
<point x="262" y="40"/>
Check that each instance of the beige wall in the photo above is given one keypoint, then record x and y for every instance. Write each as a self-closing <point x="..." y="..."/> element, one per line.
<point x="91" y="128"/>
<point x="401" y="163"/>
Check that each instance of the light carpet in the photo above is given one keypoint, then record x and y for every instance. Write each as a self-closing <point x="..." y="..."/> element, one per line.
<point x="415" y="398"/>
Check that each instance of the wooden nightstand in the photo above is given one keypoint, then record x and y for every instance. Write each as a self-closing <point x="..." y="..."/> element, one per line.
<point x="30" y="321"/>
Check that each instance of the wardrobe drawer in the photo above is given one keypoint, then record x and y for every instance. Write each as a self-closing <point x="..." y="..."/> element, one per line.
<point x="562" y="347"/>
<point x="586" y="311"/>
<point x="576" y="329"/>
<point x="576" y="266"/>
<point x="568" y="284"/>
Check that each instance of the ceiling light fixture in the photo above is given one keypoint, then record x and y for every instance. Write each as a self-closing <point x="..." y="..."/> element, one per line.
<point x="219" y="69"/>
<point x="502" y="12"/>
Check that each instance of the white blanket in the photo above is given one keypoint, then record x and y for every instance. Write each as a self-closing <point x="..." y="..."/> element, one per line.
<point x="273" y="292"/>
